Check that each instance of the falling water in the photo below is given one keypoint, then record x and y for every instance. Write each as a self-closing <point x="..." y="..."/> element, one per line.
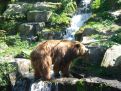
<point x="44" y="86"/>
<point x="81" y="16"/>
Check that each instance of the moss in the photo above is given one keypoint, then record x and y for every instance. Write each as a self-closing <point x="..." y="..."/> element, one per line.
<point x="88" y="86"/>
<point x="80" y="85"/>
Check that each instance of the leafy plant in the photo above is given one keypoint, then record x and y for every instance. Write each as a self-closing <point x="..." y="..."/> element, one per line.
<point x="15" y="46"/>
<point x="60" y="19"/>
<point x="116" y="38"/>
<point x="69" y="6"/>
<point x="61" y="16"/>
<point x="96" y="4"/>
<point x="9" y="26"/>
<point x="5" y="70"/>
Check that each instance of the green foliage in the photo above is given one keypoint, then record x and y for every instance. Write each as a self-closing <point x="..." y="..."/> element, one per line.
<point x="80" y="85"/>
<point x="100" y="25"/>
<point x="2" y="35"/>
<point x="5" y="70"/>
<point x="69" y="6"/>
<point x="61" y="16"/>
<point x="60" y="19"/>
<point x="14" y="16"/>
<point x="116" y="38"/>
<point x="96" y="4"/>
<point x="15" y="46"/>
<point x="13" y="40"/>
<point x="9" y="26"/>
<point x="105" y="5"/>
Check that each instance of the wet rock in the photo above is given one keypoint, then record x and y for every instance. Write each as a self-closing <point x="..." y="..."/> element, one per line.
<point x="68" y="84"/>
<point x="38" y="16"/>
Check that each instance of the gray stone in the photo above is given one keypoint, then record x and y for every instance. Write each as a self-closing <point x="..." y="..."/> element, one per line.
<point x="86" y="32"/>
<point x="112" y="57"/>
<point x="68" y="84"/>
<point x="52" y="34"/>
<point x="38" y="16"/>
<point x="14" y="10"/>
<point x="23" y="66"/>
<point x="30" y="29"/>
<point x="96" y="54"/>
<point x="116" y="13"/>
<point x="89" y="31"/>
<point x="45" y="5"/>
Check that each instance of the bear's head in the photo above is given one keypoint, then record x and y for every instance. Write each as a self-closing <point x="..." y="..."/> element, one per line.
<point x="80" y="49"/>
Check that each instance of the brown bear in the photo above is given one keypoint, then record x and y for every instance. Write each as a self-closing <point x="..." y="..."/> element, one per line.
<point x="60" y="53"/>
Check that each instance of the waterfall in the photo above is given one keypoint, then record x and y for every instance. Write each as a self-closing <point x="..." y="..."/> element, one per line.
<point x="44" y="86"/>
<point x="81" y="16"/>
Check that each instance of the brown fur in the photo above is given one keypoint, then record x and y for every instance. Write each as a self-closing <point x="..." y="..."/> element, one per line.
<point x="57" y="52"/>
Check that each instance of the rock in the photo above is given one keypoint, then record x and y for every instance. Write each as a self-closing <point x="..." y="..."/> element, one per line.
<point x="116" y="13"/>
<point x="88" y="40"/>
<point x="112" y="57"/>
<point x="68" y="84"/>
<point x="38" y="16"/>
<point x="90" y="64"/>
<point x="87" y="32"/>
<point x="52" y="34"/>
<point x="107" y="85"/>
<point x="22" y="66"/>
<point x="30" y="30"/>
<point x="14" y="11"/>
<point x="45" y="6"/>
<point x="96" y="54"/>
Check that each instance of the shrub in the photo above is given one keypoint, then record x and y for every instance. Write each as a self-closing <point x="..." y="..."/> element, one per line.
<point x="9" y="26"/>
<point x="60" y="19"/>
<point x="116" y="38"/>
<point x="5" y="70"/>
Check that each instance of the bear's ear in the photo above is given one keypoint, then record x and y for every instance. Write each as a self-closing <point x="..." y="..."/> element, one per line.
<point x="77" y="45"/>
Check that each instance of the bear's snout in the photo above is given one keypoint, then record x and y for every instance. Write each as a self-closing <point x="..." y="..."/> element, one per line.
<point x="87" y="52"/>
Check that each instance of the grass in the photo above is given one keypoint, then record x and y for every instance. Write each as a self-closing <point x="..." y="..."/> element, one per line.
<point x="14" y="45"/>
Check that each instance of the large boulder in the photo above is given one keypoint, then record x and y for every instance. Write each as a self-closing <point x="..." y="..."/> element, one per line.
<point x="30" y="30"/>
<point x="49" y="34"/>
<point x="96" y="54"/>
<point x="85" y="33"/>
<point x="18" y="68"/>
<point x="112" y="57"/>
<point x="14" y="11"/>
<point x="38" y="16"/>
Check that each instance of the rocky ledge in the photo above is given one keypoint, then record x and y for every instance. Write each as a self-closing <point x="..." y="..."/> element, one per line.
<point x="68" y="84"/>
